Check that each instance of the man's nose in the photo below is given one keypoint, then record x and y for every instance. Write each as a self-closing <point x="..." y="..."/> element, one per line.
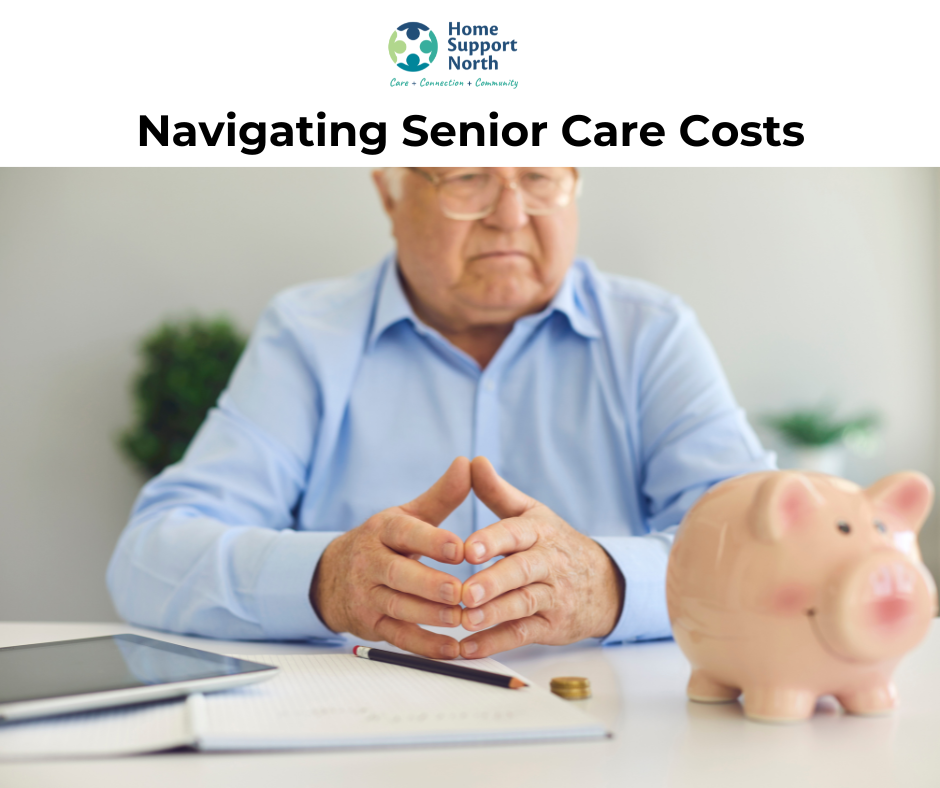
<point x="510" y="212"/>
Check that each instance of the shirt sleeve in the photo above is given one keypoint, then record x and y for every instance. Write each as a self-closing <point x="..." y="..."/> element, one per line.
<point x="210" y="548"/>
<point x="691" y="434"/>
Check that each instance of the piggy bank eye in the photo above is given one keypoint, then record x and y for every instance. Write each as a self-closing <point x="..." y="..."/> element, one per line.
<point x="880" y="527"/>
<point x="845" y="528"/>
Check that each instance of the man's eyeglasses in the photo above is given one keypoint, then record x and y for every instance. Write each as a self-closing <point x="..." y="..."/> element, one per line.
<point x="469" y="194"/>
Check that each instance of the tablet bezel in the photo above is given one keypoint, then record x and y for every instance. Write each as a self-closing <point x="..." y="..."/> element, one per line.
<point x="125" y="696"/>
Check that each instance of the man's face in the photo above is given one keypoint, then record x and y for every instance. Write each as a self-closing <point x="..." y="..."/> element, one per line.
<point x="485" y="272"/>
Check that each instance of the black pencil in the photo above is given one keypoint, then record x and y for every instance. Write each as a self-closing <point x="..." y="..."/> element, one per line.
<point x="444" y="668"/>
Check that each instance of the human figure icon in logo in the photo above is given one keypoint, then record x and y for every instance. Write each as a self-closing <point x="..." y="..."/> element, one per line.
<point x="396" y="47"/>
<point x="416" y="49"/>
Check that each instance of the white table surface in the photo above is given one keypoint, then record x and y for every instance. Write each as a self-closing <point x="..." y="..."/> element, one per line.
<point x="659" y="739"/>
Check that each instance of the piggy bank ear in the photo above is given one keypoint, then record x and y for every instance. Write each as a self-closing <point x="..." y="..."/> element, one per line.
<point x="902" y="501"/>
<point x="784" y="503"/>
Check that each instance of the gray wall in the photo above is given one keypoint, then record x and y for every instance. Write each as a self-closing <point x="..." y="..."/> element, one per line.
<point x="812" y="284"/>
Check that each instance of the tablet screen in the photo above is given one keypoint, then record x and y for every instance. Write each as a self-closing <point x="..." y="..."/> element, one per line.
<point x="77" y="667"/>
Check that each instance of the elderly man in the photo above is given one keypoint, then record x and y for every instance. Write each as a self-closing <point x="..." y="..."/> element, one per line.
<point x="594" y="405"/>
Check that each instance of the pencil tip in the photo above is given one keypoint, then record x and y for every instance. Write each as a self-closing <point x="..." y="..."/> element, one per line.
<point x="515" y="683"/>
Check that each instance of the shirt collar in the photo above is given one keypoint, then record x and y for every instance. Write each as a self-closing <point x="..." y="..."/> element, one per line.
<point x="393" y="306"/>
<point x="570" y="301"/>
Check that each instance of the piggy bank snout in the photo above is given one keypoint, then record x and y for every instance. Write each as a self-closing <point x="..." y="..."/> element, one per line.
<point x="876" y="609"/>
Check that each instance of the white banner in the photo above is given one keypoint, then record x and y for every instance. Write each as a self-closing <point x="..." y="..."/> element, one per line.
<point x="808" y="82"/>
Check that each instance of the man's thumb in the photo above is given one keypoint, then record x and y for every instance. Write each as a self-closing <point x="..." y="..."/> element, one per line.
<point x="445" y="495"/>
<point x="500" y="496"/>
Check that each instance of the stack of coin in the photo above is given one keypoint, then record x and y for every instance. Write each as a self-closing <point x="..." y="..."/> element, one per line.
<point x="571" y="687"/>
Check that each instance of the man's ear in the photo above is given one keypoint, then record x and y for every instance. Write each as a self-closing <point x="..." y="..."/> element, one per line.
<point x="902" y="500"/>
<point x="784" y="502"/>
<point x="380" y="179"/>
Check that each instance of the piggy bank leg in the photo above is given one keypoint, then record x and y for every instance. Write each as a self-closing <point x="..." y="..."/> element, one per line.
<point x="703" y="689"/>
<point x="880" y="699"/>
<point x="778" y="704"/>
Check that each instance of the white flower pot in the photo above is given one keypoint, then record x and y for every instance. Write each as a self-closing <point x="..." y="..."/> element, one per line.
<point x="824" y="459"/>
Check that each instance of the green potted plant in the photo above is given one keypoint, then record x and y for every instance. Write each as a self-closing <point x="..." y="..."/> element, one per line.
<point x="185" y="365"/>
<point x="816" y="438"/>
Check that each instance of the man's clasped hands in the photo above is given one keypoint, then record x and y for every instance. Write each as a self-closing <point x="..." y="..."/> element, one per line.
<point x="554" y="585"/>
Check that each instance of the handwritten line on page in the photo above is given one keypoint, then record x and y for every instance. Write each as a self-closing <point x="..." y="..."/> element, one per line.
<point x="315" y="701"/>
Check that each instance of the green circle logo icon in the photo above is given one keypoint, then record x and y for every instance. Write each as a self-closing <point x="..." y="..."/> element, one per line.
<point x="413" y="46"/>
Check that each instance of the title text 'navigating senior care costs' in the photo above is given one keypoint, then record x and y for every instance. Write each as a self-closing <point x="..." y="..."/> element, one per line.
<point x="577" y="130"/>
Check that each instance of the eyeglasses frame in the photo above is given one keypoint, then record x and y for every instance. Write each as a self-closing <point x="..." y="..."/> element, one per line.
<point x="436" y="181"/>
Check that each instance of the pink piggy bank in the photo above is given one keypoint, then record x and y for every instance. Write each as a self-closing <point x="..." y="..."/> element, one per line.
<point x="789" y="585"/>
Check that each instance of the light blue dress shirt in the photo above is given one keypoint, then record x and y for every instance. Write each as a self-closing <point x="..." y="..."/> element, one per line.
<point x="609" y="406"/>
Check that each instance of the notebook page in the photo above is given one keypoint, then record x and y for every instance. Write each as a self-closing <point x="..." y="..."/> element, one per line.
<point x="121" y="731"/>
<point x="341" y="700"/>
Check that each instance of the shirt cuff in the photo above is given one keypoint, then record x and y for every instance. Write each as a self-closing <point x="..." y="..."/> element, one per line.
<point x="283" y="587"/>
<point x="642" y="561"/>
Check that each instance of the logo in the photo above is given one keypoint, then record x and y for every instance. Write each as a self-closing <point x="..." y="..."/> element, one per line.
<point x="416" y="49"/>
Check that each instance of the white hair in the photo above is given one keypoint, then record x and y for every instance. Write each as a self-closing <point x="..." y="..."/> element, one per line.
<point x="393" y="179"/>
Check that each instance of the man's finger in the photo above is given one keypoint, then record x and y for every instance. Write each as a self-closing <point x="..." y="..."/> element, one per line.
<point x="412" y="577"/>
<point x="514" y="571"/>
<point x="512" y="634"/>
<point x="410" y="536"/>
<point x="497" y="494"/>
<point x="445" y="495"/>
<point x="413" y="609"/>
<point x="503" y="538"/>
<point x="521" y="603"/>
<point x="411" y="637"/>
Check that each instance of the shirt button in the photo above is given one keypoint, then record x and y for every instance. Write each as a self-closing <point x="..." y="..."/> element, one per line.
<point x="489" y="385"/>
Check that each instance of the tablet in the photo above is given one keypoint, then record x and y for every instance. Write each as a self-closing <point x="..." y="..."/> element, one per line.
<point x="77" y="675"/>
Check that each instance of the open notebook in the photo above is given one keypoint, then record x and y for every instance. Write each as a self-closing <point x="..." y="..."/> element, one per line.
<point x="315" y="701"/>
